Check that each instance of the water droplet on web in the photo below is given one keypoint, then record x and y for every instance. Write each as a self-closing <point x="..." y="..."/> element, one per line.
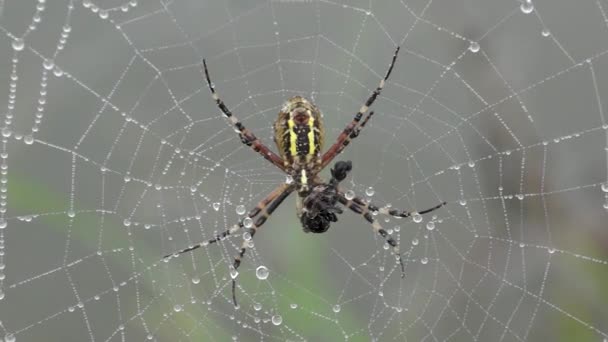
<point x="474" y="47"/>
<point x="2" y="223"/>
<point x="424" y="261"/>
<point x="1" y="295"/>
<point x="6" y="132"/>
<point x="233" y="273"/>
<point x="71" y="309"/>
<point x="150" y="336"/>
<point x="551" y="250"/>
<point x="417" y="218"/>
<point x="336" y="308"/>
<point x="9" y="337"/>
<point x="48" y="64"/>
<point x="370" y="191"/>
<point x="430" y="225"/>
<point x="247" y="222"/>
<point x="177" y="308"/>
<point x="277" y="319"/>
<point x="261" y="272"/>
<point x="216" y="206"/>
<point x="28" y="139"/>
<point x="349" y="195"/>
<point x="193" y="188"/>
<point x="126" y="222"/>
<point x="463" y="202"/>
<point x="546" y="33"/>
<point x="246" y="236"/>
<point x="527" y="7"/>
<point x="240" y="209"/>
<point x="257" y="306"/>
<point x="386" y="246"/>
<point x="104" y="14"/>
<point x="71" y="213"/>
<point x="605" y="187"/>
<point x="18" y="44"/>
<point x="415" y="242"/>
<point x="293" y="305"/>
<point x="196" y="280"/>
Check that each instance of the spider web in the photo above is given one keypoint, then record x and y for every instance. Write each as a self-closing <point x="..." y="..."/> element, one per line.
<point x="114" y="154"/>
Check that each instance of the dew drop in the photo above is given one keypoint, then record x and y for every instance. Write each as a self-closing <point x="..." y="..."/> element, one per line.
<point x="6" y="132"/>
<point x="415" y="242"/>
<point x="150" y="336"/>
<point x="9" y="337"/>
<point x="193" y="188"/>
<point x="196" y="280"/>
<point x="28" y="139"/>
<point x="261" y="272"/>
<point x="257" y="306"/>
<point x="71" y="213"/>
<point x="551" y="250"/>
<point x="48" y="64"/>
<point x="103" y="14"/>
<point x="233" y="273"/>
<point x="240" y="209"/>
<point x="216" y="206"/>
<point x="605" y="187"/>
<point x="336" y="308"/>
<point x="527" y="7"/>
<point x="18" y="44"/>
<point x="277" y="319"/>
<point x="463" y="202"/>
<point x="248" y="222"/>
<point x="126" y="222"/>
<point x="424" y="261"/>
<point x="474" y="47"/>
<point x="349" y="195"/>
<point x="177" y="308"/>
<point x="293" y="305"/>
<point x="430" y="225"/>
<point x="546" y="33"/>
<point x="1" y="295"/>
<point x="2" y="223"/>
<point x="417" y="218"/>
<point x="370" y="191"/>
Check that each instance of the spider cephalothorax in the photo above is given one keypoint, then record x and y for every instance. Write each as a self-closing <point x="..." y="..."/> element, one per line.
<point x="299" y="136"/>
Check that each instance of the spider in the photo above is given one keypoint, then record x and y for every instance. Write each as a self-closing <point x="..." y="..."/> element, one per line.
<point x="299" y="136"/>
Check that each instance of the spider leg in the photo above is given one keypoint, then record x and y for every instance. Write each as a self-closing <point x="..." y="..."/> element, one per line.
<point x="254" y="212"/>
<point x="394" y="212"/>
<point x="247" y="137"/>
<point x="377" y="228"/>
<point x="265" y="213"/>
<point x="347" y="133"/>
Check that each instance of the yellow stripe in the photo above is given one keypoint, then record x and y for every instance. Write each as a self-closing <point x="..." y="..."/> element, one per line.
<point x="292" y="137"/>
<point x="304" y="179"/>
<point x="311" y="136"/>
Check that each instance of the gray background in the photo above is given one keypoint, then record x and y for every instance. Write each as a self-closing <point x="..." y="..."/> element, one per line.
<point x="131" y="154"/>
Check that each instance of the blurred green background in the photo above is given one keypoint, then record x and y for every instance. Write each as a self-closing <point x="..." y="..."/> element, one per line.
<point x="114" y="154"/>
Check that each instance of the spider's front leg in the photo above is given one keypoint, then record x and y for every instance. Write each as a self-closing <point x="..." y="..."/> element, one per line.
<point x="367" y="215"/>
<point x="360" y="206"/>
<point x="262" y="211"/>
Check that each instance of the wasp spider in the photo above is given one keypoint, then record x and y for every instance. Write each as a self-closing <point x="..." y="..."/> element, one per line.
<point x="299" y="136"/>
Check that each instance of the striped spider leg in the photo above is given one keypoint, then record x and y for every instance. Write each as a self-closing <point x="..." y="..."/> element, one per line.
<point x="360" y="206"/>
<point x="247" y="136"/>
<point x="262" y="211"/>
<point x="353" y="128"/>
